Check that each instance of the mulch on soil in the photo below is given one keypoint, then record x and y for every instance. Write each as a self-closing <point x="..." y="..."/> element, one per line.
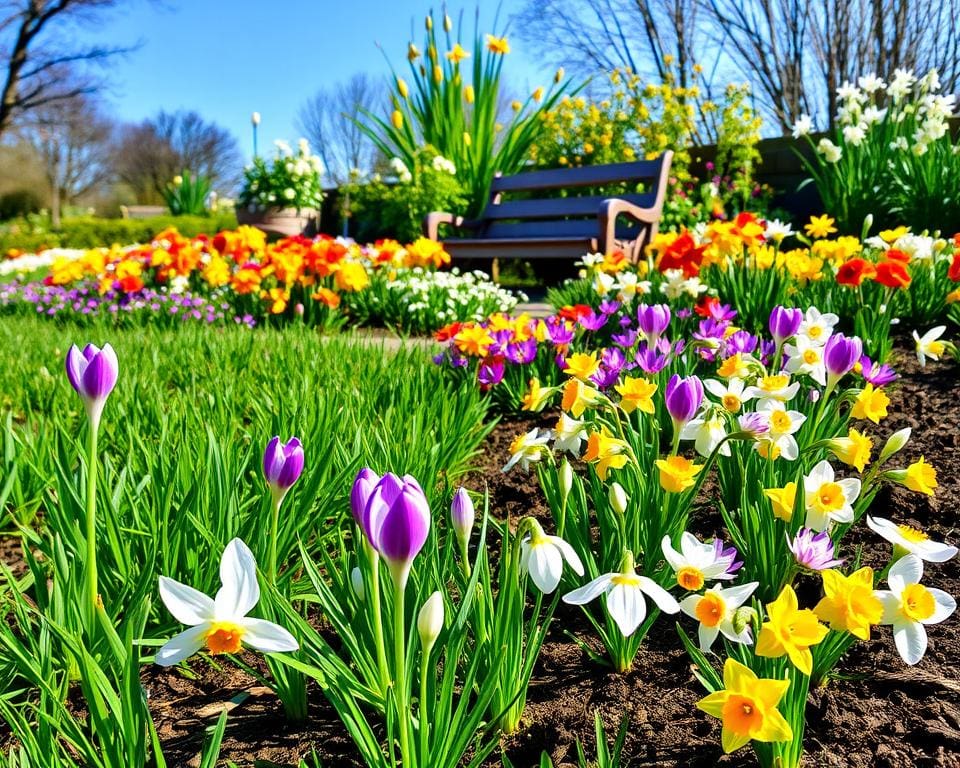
<point x="880" y="714"/>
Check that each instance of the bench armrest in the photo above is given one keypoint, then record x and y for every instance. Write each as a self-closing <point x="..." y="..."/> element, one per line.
<point x="612" y="208"/>
<point x="433" y="220"/>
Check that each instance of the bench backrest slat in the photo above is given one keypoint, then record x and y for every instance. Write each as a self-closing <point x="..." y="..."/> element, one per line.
<point x="557" y="208"/>
<point x="548" y="229"/>
<point x="586" y="176"/>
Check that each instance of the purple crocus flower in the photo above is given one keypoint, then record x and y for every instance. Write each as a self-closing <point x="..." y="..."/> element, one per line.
<point x="363" y="485"/>
<point x="594" y="321"/>
<point x="397" y="523"/>
<point x="683" y="397"/>
<point x="462" y="514"/>
<point x="784" y="323"/>
<point x="741" y="341"/>
<point x="606" y="377"/>
<point x="756" y="424"/>
<point x="653" y="321"/>
<point x="875" y="373"/>
<point x="683" y="314"/>
<point x="500" y="341"/>
<point x="609" y="307"/>
<point x="626" y="339"/>
<point x="840" y="354"/>
<point x="522" y="352"/>
<point x="93" y="374"/>
<point x="650" y="360"/>
<point x="768" y="349"/>
<point x="812" y="550"/>
<point x="729" y="554"/>
<point x="558" y="331"/>
<point x="722" y="313"/>
<point x="282" y="465"/>
<point x="490" y="372"/>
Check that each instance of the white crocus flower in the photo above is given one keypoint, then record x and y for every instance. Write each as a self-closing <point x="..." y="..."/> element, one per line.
<point x="542" y="557"/>
<point x="625" y="601"/>
<point x="707" y="431"/>
<point x="731" y="395"/>
<point x="807" y="357"/>
<point x="698" y="561"/>
<point x="817" y="326"/>
<point x="929" y="344"/>
<point x="909" y="606"/>
<point x="911" y="540"/>
<point x="828" y="499"/>
<point x="716" y="609"/>
<point x="603" y="283"/>
<point x="221" y="624"/>
<point x="570" y="434"/>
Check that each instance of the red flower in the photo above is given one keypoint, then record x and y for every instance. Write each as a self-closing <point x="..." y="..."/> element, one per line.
<point x="574" y="312"/>
<point x="705" y="305"/>
<point x="897" y="255"/>
<point x="448" y="332"/>
<point x="684" y="254"/>
<point x="954" y="272"/>
<point x="131" y="284"/>
<point x="855" y="271"/>
<point x="892" y="274"/>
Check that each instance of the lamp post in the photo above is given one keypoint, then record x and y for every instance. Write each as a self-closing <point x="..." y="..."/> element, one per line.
<point x="255" y="121"/>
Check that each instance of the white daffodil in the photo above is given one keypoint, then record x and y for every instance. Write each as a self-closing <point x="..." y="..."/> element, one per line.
<point x="707" y="431"/>
<point x="776" y="231"/>
<point x="716" y="610"/>
<point x="911" y="540"/>
<point x="803" y="126"/>
<point x="698" y="561"/>
<point x="780" y="440"/>
<point x="528" y="448"/>
<point x="603" y="283"/>
<point x="807" y="357"/>
<point x="221" y="623"/>
<point x="929" y="345"/>
<point x="817" y="326"/>
<point x="827" y="499"/>
<point x="909" y="606"/>
<point x="625" y="603"/>
<point x="629" y="285"/>
<point x="731" y="395"/>
<point x="570" y="434"/>
<point x="772" y="389"/>
<point x="542" y="557"/>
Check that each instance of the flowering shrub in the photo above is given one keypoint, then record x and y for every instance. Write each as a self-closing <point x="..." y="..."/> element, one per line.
<point x="290" y="180"/>
<point x="892" y="154"/>
<point x="397" y="209"/>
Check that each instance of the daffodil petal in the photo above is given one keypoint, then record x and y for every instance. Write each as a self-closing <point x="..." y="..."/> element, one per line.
<point x="187" y="605"/>
<point x="238" y="574"/>
<point x="182" y="646"/>
<point x="908" y="569"/>
<point x="911" y="640"/>
<point x="267" y="637"/>
<point x="707" y="635"/>
<point x="944" y="607"/>
<point x="891" y="605"/>
<point x="569" y="554"/>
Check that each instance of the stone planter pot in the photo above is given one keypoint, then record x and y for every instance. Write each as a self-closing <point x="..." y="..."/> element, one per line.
<point x="285" y="222"/>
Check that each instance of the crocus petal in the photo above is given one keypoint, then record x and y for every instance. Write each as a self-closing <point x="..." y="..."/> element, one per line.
<point x="664" y="600"/>
<point x="238" y="574"/>
<point x="267" y="637"/>
<point x="182" y="646"/>
<point x="545" y="566"/>
<point x="75" y="364"/>
<point x="911" y="640"/>
<point x="186" y="604"/>
<point x="292" y="465"/>
<point x="404" y="528"/>
<point x="100" y="375"/>
<point x="626" y="607"/>
<point x="569" y="554"/>
<point x="589" y="591"/>
<point x="272" y="460"/>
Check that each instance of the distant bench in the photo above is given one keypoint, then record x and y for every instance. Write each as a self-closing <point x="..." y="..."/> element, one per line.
<point x="142" y="211"/>
<point x="563" y="227"/>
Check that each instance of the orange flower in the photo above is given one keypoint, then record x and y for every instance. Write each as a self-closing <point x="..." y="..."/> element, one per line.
<point x="328" y="297"/>
<point x="855" y="271"/>
<point x="352" y="276"/>
<point x="684" y="254"/>
<point x="247" y="279"/>
<point x="574" y="312"/>
<point x="448" y="332"/>
<point x="894" y="254"/>
<point x="892" y="274"/>
<point x="131" y="284"/>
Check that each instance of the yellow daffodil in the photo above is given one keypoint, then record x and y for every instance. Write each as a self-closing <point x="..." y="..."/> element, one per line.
<point x="892" y="235"/>
<point x="607" y="451"/>
<point x="783" y="500"/>
<point x="820" y="226"/>
<point x="849" y="603"/>
<point x="498" y="45"/>
<point x="747" y="707"/>
<point x="537" y="396"/>
<point x="870" y="404"/>
<point x="537" y="94"/>
<point x="790" y="631"/>
<point x="734" y="367"/>
<point x="577" y="397"/>
<point x="921" y="477"/>
<point x="636" y="394"/>
<point x="677" y="473"/>
<point x="582" y="366"/>
<point x="853" y="450"/>
<point x="457" y="54"/>
<point x="473" y="340"/>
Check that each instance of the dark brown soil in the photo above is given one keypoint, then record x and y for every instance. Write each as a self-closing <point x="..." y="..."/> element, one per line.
<point x="880" y="713"/>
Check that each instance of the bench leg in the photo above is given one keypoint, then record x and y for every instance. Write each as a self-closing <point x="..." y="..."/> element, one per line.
<point x="495" y="270"/>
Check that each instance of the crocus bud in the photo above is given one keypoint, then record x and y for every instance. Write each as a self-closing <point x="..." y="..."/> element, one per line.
<point x="363" y="485"/>
<point x="282" y="465"/>
<point x="255" y="118"/>
<point x="895" y="443"/>
<point x="618" y="498"/>
<point x="402" y="87"/>
<point x="653" y="321"/>
<point x="396" y="117"/>
<point x="683" y="397"/>
<point x="93" y="374"/>
<point x="356" y="581"/>
<point x="566" y="478"/>
<point x="430" y="622"/>
<point x="447" y="23"/>
<point x="784" y="323"/>
<point x="468" y="94"/>
<point x="398" y="517"/>
<point x="743" y="617"/>
<point x="428" y="23"/>
<point x="840" y="355"/>
<point x="462" y="514"/>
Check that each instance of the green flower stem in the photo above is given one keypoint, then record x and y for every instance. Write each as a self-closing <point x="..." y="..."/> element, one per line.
<point x="400" y="671"/>
<point x="92" y="590"/>
<point x="274" y="528"/>
<point x="376" y="620"/>
<point x="424" y="710"/>
<point x="465" y="557"/>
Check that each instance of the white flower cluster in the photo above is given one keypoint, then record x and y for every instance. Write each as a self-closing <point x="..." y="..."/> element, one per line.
<point x="400" y="169"/>
<point x="32" y="262"/>
<point x="450" y="296"/>
<point x="917" y="247"/>
<point x="442" y="165"/>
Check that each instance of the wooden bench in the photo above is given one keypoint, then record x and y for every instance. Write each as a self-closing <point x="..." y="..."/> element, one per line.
<point x="563" y="227"/>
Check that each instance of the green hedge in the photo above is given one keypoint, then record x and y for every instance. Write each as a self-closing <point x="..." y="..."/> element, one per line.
<point x="89" y="232"/>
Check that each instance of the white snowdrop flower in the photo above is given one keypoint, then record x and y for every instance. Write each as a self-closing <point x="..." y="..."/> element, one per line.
<point x="542" y="557"/>
<point x="871" y="83"/>
<point x="803" y="126"/>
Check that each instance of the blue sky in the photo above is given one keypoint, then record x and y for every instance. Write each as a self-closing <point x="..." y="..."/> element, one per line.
<point x="228" y="58"/>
